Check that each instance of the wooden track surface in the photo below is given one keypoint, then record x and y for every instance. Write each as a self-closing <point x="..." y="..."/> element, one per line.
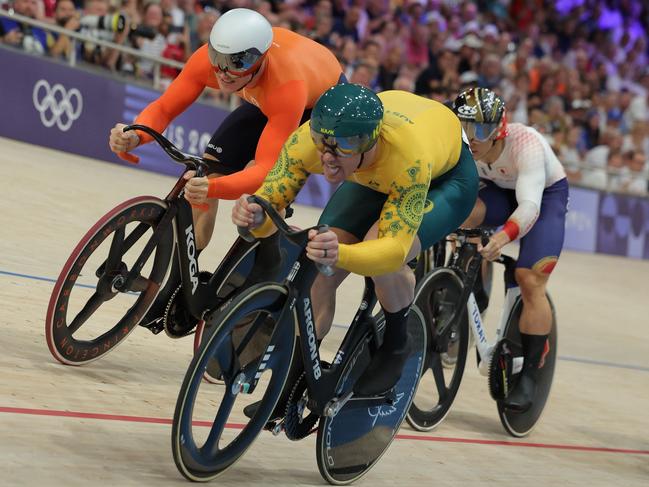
<point x="108" y="423"/>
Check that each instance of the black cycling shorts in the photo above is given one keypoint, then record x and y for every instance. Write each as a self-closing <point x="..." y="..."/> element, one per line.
<point x="235" y="141"/>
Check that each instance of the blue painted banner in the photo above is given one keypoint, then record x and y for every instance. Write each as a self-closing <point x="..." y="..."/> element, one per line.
<point x="70" y="109"/>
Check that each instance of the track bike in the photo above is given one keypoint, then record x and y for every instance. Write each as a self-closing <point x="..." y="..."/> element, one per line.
<point x="353" y="432"/>
<point x="120" y="265"/>
<point x="445" y="296"/>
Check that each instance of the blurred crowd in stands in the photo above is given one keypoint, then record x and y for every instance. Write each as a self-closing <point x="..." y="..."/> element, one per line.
<point x="576" y="70"/>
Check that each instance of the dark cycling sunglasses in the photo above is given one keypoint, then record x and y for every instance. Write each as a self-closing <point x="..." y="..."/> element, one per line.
<point x="479" y="131"/>
<point x="341" y="146"/>
<point x="237" y="64"/>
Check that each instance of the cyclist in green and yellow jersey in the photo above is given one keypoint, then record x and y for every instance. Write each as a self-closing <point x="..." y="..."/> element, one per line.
<point x="407" y="178"/>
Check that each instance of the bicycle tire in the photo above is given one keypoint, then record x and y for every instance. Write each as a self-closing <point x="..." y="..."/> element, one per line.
<point x="203" y="463"/>
<point x="349" y="444"/>
<point x="517" y="424"/>
<point x="145" y="212"/>
<point x="437" y="296"/>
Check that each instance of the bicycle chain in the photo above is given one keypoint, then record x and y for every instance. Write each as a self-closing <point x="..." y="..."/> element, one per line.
<point x="500" y="370"/>
<point x="169" y="319"/>
<point x="296" y="426"/>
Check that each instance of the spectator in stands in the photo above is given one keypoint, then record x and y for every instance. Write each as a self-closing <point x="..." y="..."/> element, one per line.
<point x="365" y="74"/>
<point x="389" y="69"/>
<point x="66" y="16"/>
<point x="32" y="39"/>
<point x="638" y="138"/>
<point x="154" y="43"/>
<point x="639" y="174"/>
<point x="569" y="155"/>
<point x="322" y="33"/>
<point x="92" y="25"/>
<point x="347" y="27"/>
<point x="204" y="23"/>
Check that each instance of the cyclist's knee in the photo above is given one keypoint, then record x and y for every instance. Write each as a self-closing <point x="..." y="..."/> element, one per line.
<point x="532" y="282"/>
<point x="477" y="215"/>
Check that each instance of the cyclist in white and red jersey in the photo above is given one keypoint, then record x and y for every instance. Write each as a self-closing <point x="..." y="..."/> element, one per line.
<point x="524" y="190"/>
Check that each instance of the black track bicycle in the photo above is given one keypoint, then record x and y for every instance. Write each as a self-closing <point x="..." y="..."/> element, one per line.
<point x="115" y="273"/>
<point x="446" y="297"/>
<point x="352" y="432"/>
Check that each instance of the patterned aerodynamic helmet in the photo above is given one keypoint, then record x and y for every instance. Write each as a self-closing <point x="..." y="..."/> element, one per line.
<point x="482" y="113"/>
<point x="346" y="120"/>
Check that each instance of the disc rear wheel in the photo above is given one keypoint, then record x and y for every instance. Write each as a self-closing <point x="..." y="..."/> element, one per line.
<point x="521" y="424"/>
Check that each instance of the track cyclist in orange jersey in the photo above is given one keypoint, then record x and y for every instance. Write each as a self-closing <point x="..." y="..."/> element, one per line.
<point x="407" y="180"/>
<point x="525" y="190"/>
<point x="278" y="74"/>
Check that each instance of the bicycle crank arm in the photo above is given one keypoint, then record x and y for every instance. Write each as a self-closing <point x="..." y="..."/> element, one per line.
<point x="335" y="405"/>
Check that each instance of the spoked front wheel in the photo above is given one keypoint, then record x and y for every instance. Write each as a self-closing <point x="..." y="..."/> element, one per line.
<point x="209" y="432"/>
<point x="438" y="296"/>
<point x="350" y="443"/>
<point x="521" y="424"/>
<point x="92" y="309"/>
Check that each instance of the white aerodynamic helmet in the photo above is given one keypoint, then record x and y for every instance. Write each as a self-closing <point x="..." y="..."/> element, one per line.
<point x="239" y="41"/>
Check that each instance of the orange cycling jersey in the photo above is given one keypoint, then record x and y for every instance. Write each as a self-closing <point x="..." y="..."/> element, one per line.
<point x="297" y="71"/>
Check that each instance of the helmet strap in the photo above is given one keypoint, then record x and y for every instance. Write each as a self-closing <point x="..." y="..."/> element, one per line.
<point x="254" y="73"/>
<point x="361" y="161"/>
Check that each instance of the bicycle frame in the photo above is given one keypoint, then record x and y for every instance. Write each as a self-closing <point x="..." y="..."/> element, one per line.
<point x="325" y="398"/>
<point x="467" y="251"/>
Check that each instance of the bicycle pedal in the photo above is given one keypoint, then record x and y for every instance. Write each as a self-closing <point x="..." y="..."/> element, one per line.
<point x="391" y="396"/>
<point x="278" y="428"/>
<point x="155" y="326"/>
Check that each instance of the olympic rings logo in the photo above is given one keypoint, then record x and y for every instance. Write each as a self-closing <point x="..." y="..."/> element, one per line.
<point x="56" y="105"/>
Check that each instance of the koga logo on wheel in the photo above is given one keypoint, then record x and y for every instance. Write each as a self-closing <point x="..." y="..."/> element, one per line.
<point x="56" y="105"/>
<point x="313" y="345"/>
<point x="191" y="255"/>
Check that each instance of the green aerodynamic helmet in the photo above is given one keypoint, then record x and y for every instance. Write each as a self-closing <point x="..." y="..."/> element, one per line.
<point x="346" y="120"/>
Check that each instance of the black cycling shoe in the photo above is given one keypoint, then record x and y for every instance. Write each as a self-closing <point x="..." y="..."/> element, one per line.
<point x="383" y="372"/>
<point x="521" y="398"/>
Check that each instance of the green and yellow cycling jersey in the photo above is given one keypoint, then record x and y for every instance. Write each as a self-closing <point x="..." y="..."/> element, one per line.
<point x="420" y="140"/>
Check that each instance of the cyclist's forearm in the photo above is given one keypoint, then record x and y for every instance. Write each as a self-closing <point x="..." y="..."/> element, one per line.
<point x="372" y="257"/>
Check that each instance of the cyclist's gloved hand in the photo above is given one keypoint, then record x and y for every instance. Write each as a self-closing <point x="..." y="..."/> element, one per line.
<point x="323" y="247"/>
<point x="491" y="251"/>
<point x="196" y="189"/>
<point x="246" y="214"/>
